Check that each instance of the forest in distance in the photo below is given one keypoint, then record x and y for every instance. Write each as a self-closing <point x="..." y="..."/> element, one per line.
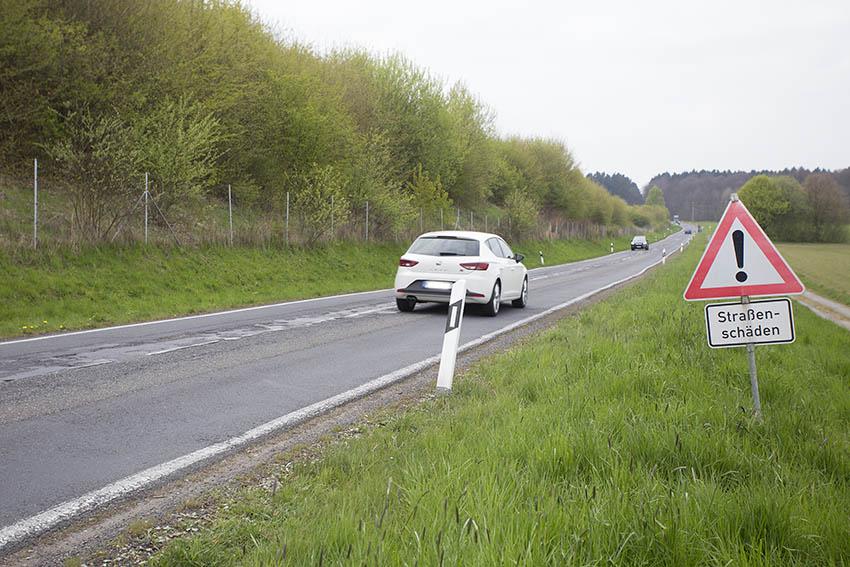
<point x="202" y="96"/>
<point x="795" y="205"/>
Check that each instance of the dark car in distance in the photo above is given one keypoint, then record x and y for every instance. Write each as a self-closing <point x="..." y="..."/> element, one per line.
<point x="640" y="242"/>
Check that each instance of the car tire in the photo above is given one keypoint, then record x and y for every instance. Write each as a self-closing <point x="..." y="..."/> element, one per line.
<point x="405" y="304"/>
<point x="522" y="301"/>
<point x="491" y="309"/>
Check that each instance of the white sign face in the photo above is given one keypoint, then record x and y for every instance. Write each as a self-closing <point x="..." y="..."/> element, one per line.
<point x="740" y="262"/>
<point x="758" y="322"/>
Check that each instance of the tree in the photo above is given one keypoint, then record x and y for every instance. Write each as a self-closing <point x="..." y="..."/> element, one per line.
<point x="96" y="159"/>
<point x="765" y="200"/>
<point x="830" y="211"/>
<point x="426" y="194"/>
<point x="655" y="197"/>
<point x="318" y="201"/>
<point x="620" y="186"/>
<point x="473" y="127"/>
<point x="521" y="214"/>
<point x="793" y="225"/>
<point x="179" y="146"/>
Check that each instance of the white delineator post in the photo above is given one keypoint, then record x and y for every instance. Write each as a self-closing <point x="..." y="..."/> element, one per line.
<point x="451" y="337"/>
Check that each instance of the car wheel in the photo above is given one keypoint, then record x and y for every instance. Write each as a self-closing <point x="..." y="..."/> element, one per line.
<point x="405" y="304"/>
<point x="492" y="307"/>
<point x="522" y="301"/>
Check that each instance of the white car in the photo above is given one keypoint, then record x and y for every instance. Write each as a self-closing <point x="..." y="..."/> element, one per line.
<point x="436" y="260"/>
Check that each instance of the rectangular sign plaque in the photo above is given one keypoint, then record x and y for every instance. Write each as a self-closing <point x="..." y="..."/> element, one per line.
<point x="758" y="322"/>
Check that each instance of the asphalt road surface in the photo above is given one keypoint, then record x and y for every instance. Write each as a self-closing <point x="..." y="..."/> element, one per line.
<point x="91" y="416"/>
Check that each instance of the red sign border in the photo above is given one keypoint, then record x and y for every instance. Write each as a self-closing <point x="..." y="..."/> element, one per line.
<point x="790" y="285"/>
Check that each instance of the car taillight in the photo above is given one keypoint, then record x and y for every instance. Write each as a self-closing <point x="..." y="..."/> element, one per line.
<point x="475" y="266"/>
<point x="407" y="263"/>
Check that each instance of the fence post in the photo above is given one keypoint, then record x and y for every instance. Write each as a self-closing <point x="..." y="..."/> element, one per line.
<point x="230" y="211"/>
<point x="420" y="220"/>
<point x="441" y="218"/>
<point x="146" y="207"/>
<point x="367" y="220"/>
<point x="470" y="221"/>
<point x="332" y="218"/>
<point x="35" y="204"/>
<point x="287" y="217"/>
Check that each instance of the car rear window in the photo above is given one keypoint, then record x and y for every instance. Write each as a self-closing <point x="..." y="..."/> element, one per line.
<point x="444" y="246"/>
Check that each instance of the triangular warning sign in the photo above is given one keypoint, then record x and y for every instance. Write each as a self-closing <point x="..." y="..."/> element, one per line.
<point x="740" y="260"/>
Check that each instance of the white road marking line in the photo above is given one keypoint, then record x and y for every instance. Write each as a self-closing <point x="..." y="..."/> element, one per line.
<point x="181" y="347"/>
<point x="51" y="518"/>
<point x="93" y="363"/>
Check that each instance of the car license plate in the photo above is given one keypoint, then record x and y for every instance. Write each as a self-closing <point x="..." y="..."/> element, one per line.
<point x="437" y="285"/>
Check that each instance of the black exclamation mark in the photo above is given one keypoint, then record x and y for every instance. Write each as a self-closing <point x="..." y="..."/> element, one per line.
<point x="738" y="241"/>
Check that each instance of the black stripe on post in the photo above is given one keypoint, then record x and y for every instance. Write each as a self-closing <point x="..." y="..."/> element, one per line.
<point x="453" y="320"/>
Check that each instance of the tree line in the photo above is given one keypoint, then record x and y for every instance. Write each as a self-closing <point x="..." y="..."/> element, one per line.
<point x="703" y="195"/>
<point x="202" y="94"/>
<point x="620" y="185"/>
<point x="815" y="211"/>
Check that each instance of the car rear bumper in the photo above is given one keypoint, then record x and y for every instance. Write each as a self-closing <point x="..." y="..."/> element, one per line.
<point x="419" y="289"/>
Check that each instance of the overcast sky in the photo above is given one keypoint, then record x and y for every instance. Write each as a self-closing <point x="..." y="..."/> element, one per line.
<point x="633" y="87"/>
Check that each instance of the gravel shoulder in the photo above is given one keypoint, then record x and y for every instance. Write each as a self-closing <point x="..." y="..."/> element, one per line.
<point x="826" y="308"/>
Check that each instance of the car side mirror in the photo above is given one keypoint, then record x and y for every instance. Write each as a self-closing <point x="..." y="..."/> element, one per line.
<point x="519" y="257"/>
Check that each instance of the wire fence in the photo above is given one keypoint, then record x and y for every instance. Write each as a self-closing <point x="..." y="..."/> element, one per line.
<point x="44" y="216"/>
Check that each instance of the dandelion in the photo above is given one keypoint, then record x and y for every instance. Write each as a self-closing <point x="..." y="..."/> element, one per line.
<point x="44" y="322"/>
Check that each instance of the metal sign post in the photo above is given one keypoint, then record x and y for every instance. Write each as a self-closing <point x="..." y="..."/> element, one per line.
<point x="754" y="381"/>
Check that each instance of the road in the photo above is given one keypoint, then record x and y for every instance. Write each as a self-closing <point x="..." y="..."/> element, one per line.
<point x="91" y="416"/>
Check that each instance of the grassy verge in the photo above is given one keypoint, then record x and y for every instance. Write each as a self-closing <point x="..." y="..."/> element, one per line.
<point x="59" y="289"/>
<point x="618" y="438"/>
<point x="824" y="268"/>
<point x="63" y="289"/>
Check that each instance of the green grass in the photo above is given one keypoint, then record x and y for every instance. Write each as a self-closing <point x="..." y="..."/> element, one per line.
<point x="617" y="438"/>
<point x="64" y="289"/>
<point x="824" y="268"/>
<point x="574" y="249"/>
<point x="57" y="289"/>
